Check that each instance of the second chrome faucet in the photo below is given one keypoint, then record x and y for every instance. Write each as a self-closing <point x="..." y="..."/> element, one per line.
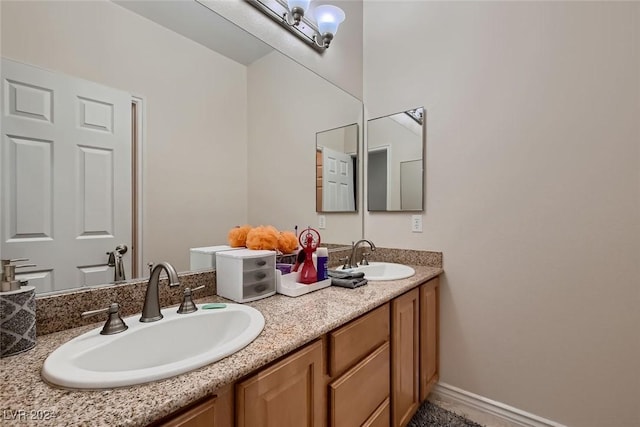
<point x="352" y="262"/>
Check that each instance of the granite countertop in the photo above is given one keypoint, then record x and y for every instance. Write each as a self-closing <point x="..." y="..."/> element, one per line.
<point x="289" y="323"/>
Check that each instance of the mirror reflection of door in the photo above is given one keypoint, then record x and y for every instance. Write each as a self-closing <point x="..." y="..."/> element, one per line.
<point x="66" y="143"/>
<point x="401" y="178"/>
<point x="338" y="191"/>
<point x="336" y="169"/>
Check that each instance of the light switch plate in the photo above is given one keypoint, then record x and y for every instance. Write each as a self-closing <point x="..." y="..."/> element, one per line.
<point x="416" y="223"/>
<point x="322" y="222"/>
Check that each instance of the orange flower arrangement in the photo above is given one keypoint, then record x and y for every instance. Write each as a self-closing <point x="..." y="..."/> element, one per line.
<point x="287" y="242"/>
<point x="262" y="237"/>
<point x="237" y="236"/>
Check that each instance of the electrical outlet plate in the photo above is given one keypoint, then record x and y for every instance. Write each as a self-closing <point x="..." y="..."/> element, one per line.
<point x="322" y="222"/>
<point x="416" y="223"/>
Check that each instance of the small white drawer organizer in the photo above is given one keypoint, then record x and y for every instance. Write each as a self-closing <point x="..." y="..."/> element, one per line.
<point x="246" y="275"/>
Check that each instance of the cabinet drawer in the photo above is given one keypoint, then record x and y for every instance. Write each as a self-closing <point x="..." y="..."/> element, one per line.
<point x="352" y="342"/>
<point x="357" y="394"/>
<point x="258" y="262"/>
<point x="258" y="275"/>
<point x="381" y="417"/>
<point x="255" y="289"/>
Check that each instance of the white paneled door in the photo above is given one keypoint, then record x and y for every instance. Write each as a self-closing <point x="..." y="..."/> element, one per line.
<point x="66" y="176"/>
<point x="337" y="181"/>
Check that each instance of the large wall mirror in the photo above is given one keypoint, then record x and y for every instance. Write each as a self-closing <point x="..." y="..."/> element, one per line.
<point x="213" y="137"/>
<point x="395" y="161"/>
<point x="337" y="169"/>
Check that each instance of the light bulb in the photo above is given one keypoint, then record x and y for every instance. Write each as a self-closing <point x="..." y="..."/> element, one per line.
<point x="303" y="4"/>
<point x="328" y="18"/>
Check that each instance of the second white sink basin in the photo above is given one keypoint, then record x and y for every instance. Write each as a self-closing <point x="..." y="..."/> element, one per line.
<point x="384" y="271"/>
<point x="145" y="352"/>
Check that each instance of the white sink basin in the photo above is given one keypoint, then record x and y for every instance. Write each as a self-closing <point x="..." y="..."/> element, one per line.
<point x="384" y="271"/>
<point x="145" y="352"/>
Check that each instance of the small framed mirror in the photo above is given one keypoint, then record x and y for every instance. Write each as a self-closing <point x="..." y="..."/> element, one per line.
<point x="396" y="161"/>
<point x="337" y="169"/>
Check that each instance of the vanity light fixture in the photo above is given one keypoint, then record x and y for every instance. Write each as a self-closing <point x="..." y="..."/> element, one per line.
<point x="416" y="114"/>
<point x="292" y="15"/>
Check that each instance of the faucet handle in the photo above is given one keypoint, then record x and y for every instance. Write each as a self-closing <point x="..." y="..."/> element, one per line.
<point x="365" y="261"/>
<point x="12" y="261"/>
<point x="346" y="262"/>
<point x="114" y="323"/>
<point x="187" y="305"/>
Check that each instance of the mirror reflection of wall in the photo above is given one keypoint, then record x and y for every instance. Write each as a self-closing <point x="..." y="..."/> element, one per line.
<point x="337" y="169"/>
<point x="287" y="107"/>
<point x="395" y="161"/>
<point x="201" y="131"/>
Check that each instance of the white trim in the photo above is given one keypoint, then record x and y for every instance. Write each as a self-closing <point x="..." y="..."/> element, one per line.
<point x="499" y="410"/>
<point x="141" y="122"/>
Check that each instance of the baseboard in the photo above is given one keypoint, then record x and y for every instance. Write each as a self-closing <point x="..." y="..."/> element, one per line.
<point x="498" y="410"/>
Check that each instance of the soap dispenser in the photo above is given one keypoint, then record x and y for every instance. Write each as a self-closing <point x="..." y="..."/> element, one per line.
<point x="17" y="310"/>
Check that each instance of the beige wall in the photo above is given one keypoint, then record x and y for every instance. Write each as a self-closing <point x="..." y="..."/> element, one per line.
<point x="341" y="64"/>
<point x="288" y="105"/>
<point x="533" y="193"/>
<point x="195" y="150"/>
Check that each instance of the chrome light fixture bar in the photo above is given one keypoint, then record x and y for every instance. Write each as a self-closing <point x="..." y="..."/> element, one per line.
<point x="291" y="15"/>
<point x="416" y="114"/>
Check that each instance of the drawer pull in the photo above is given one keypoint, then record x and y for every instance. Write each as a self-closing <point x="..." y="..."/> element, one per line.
<point x="261" y="262"/>
<point x="261" y="275"/>
<point x="260" y="288"/>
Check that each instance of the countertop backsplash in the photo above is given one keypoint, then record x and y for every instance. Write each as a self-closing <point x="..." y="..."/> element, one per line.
<point x="59" y="312"/>
<point x="62" y="311"/>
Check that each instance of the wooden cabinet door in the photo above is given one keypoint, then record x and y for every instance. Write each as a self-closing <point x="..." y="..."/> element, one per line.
<point x="429" y="336"/>
<point x="215" y="411"/>
<point x="287" y="394"/>
<point x="405" y="347"/>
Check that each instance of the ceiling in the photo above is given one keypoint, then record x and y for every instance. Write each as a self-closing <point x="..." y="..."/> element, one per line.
<point x="200" y="24"/>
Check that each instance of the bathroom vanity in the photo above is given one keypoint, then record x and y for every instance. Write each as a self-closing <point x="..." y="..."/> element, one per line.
<point x="373" y="371"/>
<point x="333" y="357"/>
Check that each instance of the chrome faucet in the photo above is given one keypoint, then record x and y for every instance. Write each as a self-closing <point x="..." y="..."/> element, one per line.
<point x="354" y="249"/>
<point x="151" y="308"/>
